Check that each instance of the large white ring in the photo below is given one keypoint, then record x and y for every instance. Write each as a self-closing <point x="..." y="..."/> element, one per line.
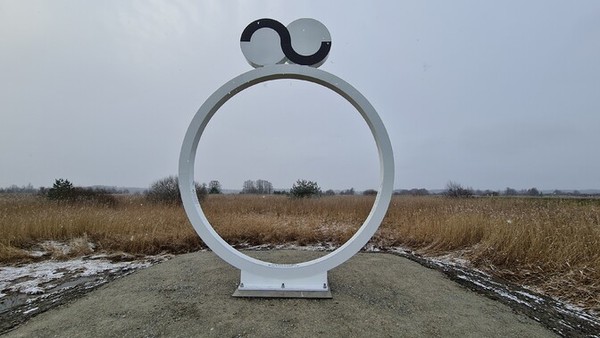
<point x="188" y="155"/>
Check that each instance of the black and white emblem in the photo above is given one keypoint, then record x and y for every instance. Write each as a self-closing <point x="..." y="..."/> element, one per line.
<point x="304" y="42"/>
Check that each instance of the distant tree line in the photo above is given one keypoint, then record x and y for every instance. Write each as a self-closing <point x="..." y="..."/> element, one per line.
<point x="454" y="189"/>
<point x="412" y="192"/>
<point x="264" y="187"/>
<point x="14" y="189"/>
<point x="29" y="189"/>
<point x="348" y="192"/>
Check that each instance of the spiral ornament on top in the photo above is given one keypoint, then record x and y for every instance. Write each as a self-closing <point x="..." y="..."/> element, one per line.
<point x="267" y="42"/>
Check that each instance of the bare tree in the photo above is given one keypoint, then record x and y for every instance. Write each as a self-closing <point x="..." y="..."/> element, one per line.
<point x="249" y="187"/>
<point x="454" y="189"/>
<point x="263" y="187"/>
<point x="214" y="187"/>
<point x="166" y="190"/>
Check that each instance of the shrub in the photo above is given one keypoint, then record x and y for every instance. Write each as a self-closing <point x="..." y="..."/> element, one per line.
<point x="97" y="196"/>
<point x="166" y="190"/>
<point x="412" y="192"/>
<point x="201" y="190"/>
<point x="214" y="187"/>
<point x="61" y="190"/>
<point x="370" y="192"/>
<point x="305" y="188"/>
<point x="456" y="190"/>
<point x="347" y="192"/>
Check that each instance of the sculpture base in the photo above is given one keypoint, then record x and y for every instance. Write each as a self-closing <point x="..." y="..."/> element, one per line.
<point x="259" y="286"/>
<point x="282" y="294"/>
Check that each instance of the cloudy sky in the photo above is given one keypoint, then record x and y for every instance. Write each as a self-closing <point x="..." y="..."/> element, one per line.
<point x="490" y="94"/>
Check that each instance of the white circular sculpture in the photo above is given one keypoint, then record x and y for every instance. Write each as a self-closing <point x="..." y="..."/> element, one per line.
<point x="259" y="278"/>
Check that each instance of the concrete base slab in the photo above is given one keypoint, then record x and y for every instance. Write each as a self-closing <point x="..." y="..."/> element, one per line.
<point x="374" y="295"/>
<point x="282" y="294"/>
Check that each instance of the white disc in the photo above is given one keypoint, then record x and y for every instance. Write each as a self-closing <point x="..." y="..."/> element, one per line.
<point x="307" y="36"/>
<point x="263" y="49"/>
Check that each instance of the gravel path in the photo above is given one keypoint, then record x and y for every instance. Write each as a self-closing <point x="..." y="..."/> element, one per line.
<point x="373" y="295"/>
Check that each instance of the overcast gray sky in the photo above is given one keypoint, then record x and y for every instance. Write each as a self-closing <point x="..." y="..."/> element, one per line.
<point x="491" y="94"/>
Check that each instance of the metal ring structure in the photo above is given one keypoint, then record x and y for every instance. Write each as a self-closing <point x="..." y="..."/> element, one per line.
<point x="188" y="155"/>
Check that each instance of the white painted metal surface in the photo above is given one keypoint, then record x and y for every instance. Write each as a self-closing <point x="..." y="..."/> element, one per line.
<point x="258" y="275"/>
<point x="264" y="49"/>
<point x="307" y="36"/>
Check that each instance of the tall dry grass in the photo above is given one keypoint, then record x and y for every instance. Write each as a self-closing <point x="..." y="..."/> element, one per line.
<point x="552" y="244"/>
<point x="134" y="226"/>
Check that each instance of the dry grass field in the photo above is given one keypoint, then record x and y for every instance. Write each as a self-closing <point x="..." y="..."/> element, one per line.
<point x="550" y="244"/>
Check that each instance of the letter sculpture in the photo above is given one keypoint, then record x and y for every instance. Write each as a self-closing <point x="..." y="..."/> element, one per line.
<point x="267" y="46"/>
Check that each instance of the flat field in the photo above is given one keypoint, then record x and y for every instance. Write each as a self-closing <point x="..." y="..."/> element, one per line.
<point x="550" y="244"/>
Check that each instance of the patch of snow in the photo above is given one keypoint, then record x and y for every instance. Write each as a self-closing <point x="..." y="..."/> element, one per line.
<point x="401" y="250"/>
<point x="37" y="278"/>
<point x="481" y="285"/>
<point x="327" y="246"/>
<point x="511" y="297"/>
<point x="565" y="324"/>
<point x="37" y="253"/>
<point x="30" y="310"/>
<point x="98" y="256"/>
<point x="49" y="246"/>
<point x="530" y="296"/>
<point x="450" y="259"/>
<point x="28" y="278"/>
<point x="578" y="312"/>
<point x="371" y="248"/>
<point x="499" y="292"/>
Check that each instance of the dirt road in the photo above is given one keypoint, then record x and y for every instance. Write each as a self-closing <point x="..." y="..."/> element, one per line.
<point x="376" y="295"/>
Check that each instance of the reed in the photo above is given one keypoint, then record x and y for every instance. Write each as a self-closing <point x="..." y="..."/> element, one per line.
<point x="552" y="244"/>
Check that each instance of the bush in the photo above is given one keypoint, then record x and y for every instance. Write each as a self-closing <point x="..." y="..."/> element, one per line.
<point x="305" y="188"/>
<point x="347" y="192"/>
<point x="97" y="196"/>
<point x="370" y="192"/>
<point x="456" y="190"/>
<point x="63" y="190"/>
<point x="214" y="187"/>
<point x="166" y="190"/>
